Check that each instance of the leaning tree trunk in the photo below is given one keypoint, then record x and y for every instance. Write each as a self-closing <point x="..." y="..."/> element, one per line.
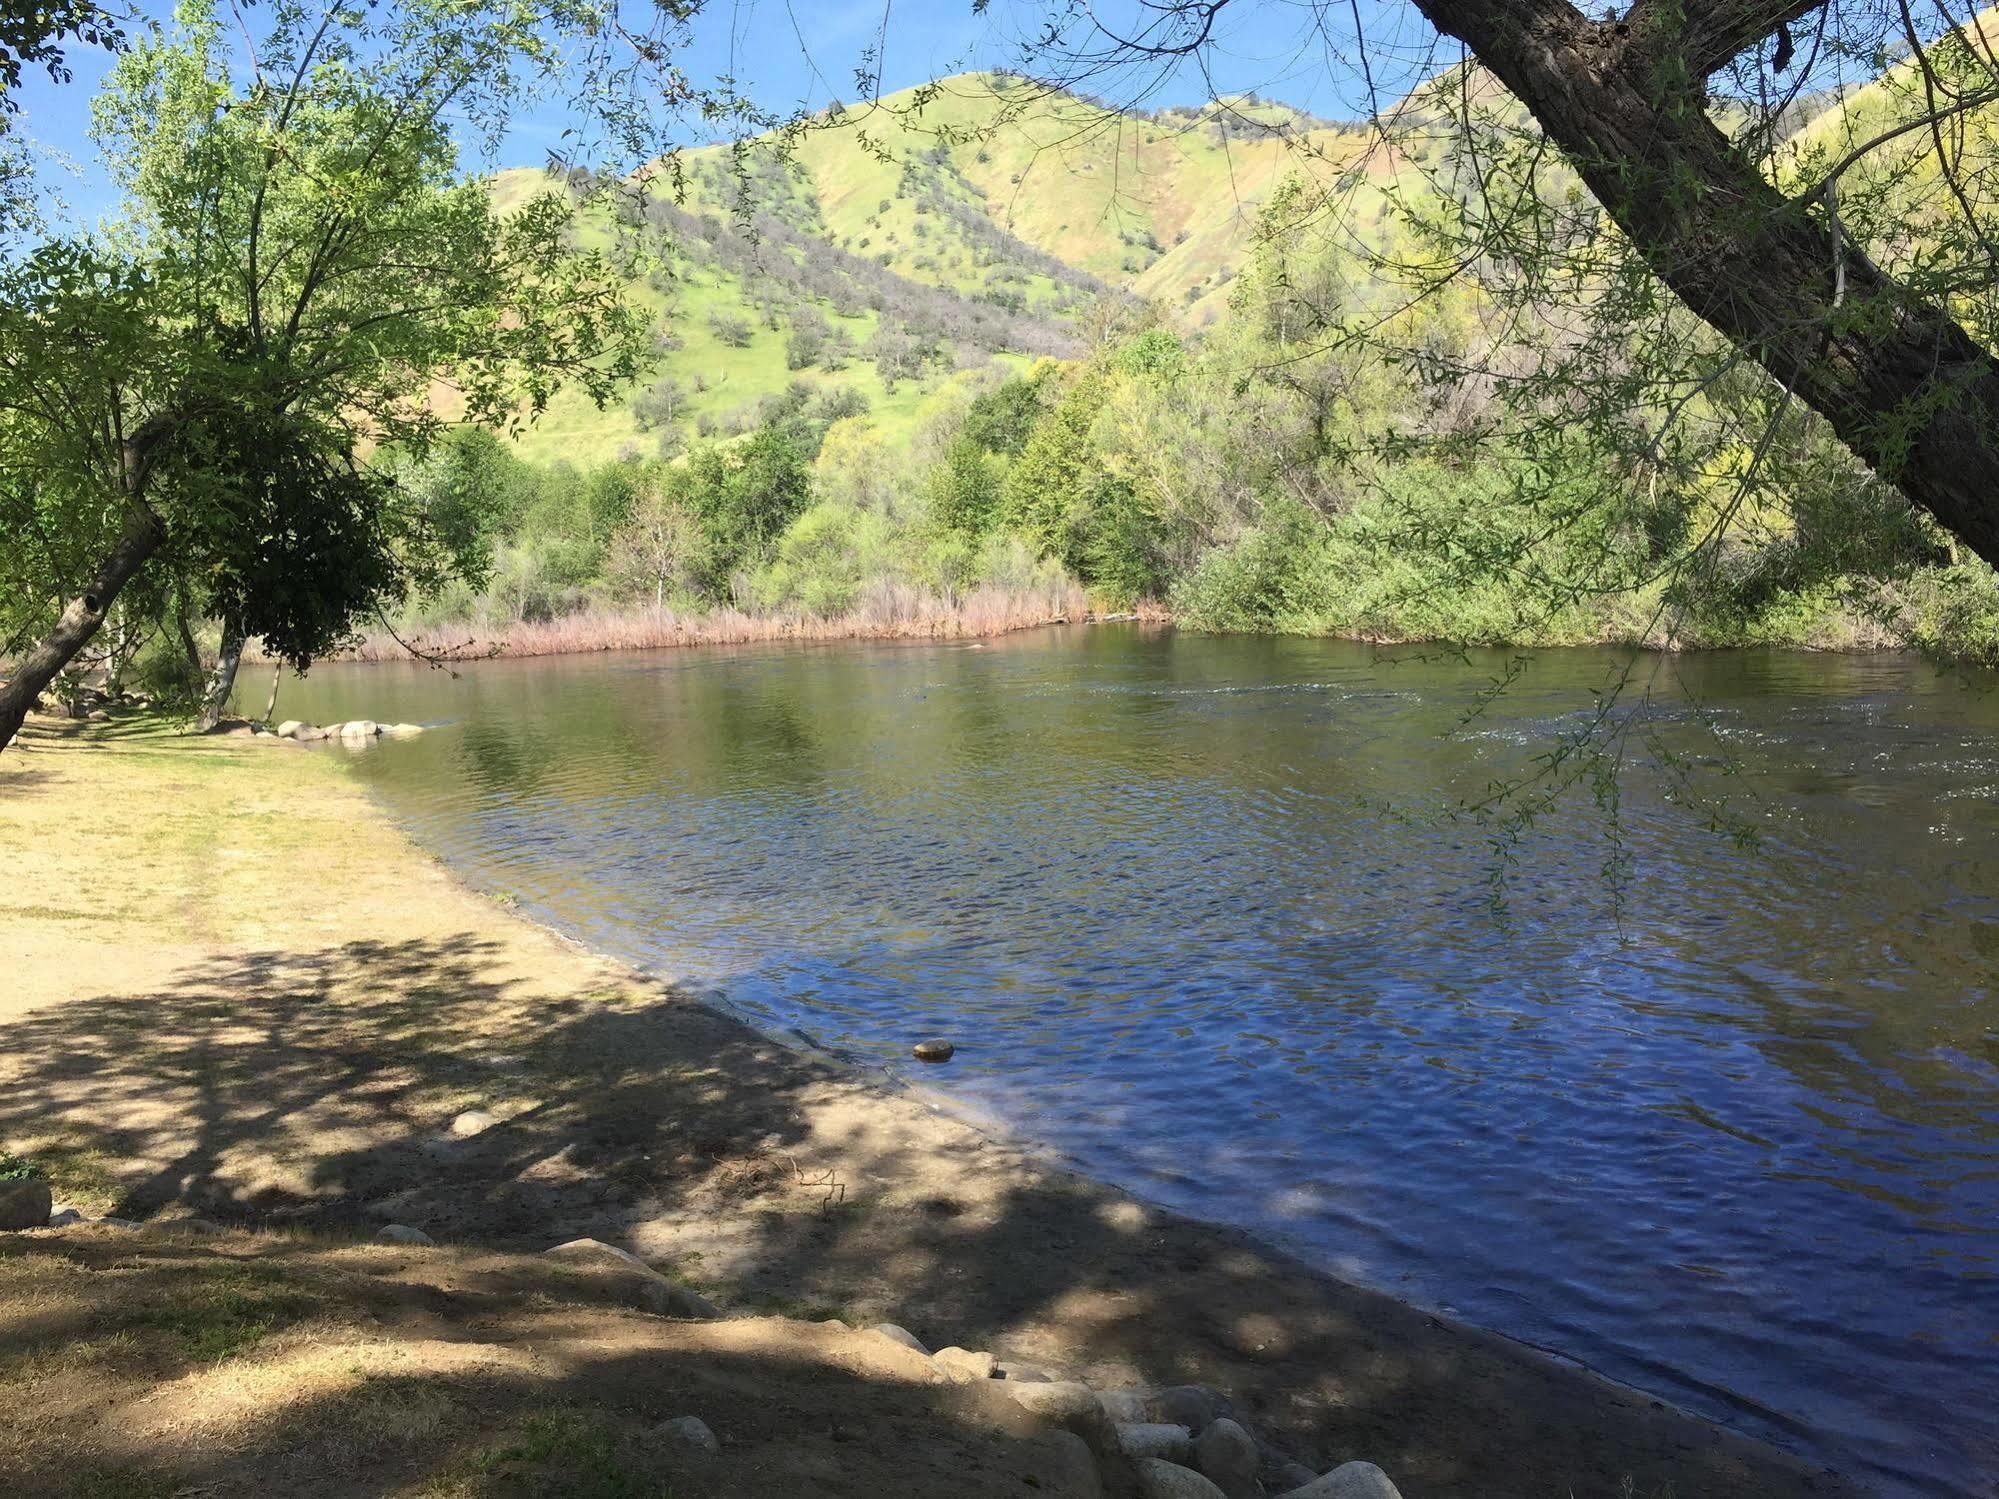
<point x="222" y="681"/>
<point x="1906" y="388"/>
<point x="271" y="702"/>
<point x="79" y="620"/>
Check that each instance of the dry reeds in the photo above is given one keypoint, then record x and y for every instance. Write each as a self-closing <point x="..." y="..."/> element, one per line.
<point x="886" y="609"/>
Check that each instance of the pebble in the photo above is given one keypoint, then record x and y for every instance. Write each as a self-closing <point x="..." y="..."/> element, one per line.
<point x="1348" y="1481"/>
<point x="933" y="1051"/>
<point x="1163" y="1480"/>
<point x="401" y="1233"/>
<point x="693" y="1431"/>
<point x="903" y="1336"/>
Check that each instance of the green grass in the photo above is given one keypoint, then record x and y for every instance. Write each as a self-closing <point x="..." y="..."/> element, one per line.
<point x="572" y="1454"/>
<point x="218" y="1311"/>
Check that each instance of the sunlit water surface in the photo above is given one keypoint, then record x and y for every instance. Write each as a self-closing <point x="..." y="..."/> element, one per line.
<point x="1191" y="910"/>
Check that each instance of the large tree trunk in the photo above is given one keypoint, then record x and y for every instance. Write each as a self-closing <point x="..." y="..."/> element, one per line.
<point x="222" y="681"/>
<point x="1903" y="385"/>
<point x="79" y="620"/>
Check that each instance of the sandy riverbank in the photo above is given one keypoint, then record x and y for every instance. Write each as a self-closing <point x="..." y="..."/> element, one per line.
<point x="236" y="990"/>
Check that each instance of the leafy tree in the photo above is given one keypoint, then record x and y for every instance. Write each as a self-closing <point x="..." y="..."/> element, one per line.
<point x="31" y="33"/>
<point x="965" y="486"/>
<point x="1048" y="488"/>
<point x="300" y="271"/>
<point x="660" y="549"/>
<point x="745" y="496"/>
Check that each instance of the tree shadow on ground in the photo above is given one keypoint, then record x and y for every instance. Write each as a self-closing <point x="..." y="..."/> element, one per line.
<point x="319" y="1089"/>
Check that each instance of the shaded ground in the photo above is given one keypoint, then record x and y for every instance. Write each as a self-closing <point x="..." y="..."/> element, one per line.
<point x="159" y="1364"/>
<point x="241" y="993"/>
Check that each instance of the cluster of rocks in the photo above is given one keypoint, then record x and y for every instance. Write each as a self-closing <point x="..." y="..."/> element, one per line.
<point x="354" y="731"/>
<point x="1182" y="1442"/>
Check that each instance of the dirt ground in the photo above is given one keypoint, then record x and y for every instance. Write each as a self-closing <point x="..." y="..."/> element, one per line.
<point x="233" y="989"/>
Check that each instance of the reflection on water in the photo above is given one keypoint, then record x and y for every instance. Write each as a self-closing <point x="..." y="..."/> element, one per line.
<point x="1187" y="908"/>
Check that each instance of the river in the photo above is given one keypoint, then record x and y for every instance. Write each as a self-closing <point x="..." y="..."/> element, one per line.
<point x="1718" y="1118"/>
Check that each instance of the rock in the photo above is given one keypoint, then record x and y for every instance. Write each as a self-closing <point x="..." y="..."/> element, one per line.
<point x="1160" y="1439"/>
<point x="693" y="1431"/>
<point x="472" y="1122"/>
<point x="1226" y="1453"/>
<point x="359" y="728"/>
<point x="290" y="728"/>
<point x="1071" y="1468"/>
<point x="1069" y="1405"/>
<point x="1163" y="1480"/>
<point x="663" y="1298"/>
<point x="401" y="1233"/>
<point x="1194" y="1406"/>
<point x="964" y="1366"/>
<point x="933" y="1051"/>
<point x="98" y="715"/>
<point x="1025" y="1374"/>
<point x="116" y="1222"/>
<point x="401" y="730"/>
<point x="1126" y="1407"/>
<point x="1348" y="1481"/>
<point x="24" y="1202"/>
<point x="1282" y="1475"/>
<point x="903" y="1336"/>
<point x="597" y="1249"/>
<point x="64" y="1217"/>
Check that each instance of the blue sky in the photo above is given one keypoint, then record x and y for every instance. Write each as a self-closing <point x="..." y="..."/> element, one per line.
<point x="791" y="52"/>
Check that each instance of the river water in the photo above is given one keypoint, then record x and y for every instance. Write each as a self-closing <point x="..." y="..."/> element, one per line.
<point x="1194" y="909"/>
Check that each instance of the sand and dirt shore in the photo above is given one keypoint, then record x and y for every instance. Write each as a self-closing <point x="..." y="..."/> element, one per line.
<point x="235" y="991"/>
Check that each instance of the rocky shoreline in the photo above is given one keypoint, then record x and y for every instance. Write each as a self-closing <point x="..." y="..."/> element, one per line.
<point x="309" y="1055"/>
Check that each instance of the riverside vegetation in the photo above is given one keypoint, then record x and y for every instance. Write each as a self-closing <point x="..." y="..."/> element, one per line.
<point x="862" y="380"/>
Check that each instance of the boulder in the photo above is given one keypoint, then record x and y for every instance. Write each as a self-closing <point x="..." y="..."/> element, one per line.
<point x="1071" y="1468"/>
<point x="1194" y="1406"/>
<point x="1126" y="1406"/>
<point x="1160" y="1439"/>
<point x="663" y="1298"/>
<point x="1164" y="1480"/>
<point x="401" y="730"/>
<point x="1026" y="1373"/>
<point x="1349" y="1481"/>
<point x="903" y="1336"/>
<point x="98" y="715"/>
<point x="691" y="1430"/>
<point x="24" y="1202"/>
<point x="64" y="1217"/>
<point x="472" y="1122"/>
<point x="597" y="1249"/>
<point x="933" y="1051"/>
<point x="401" y="1233"/>
<point x="359" y="728"/>
<point x="1069" y="1405"/>
<point x="963" y="1365"/>
<point x="294" y="728"/>
<point x="1226" y="1454"/>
